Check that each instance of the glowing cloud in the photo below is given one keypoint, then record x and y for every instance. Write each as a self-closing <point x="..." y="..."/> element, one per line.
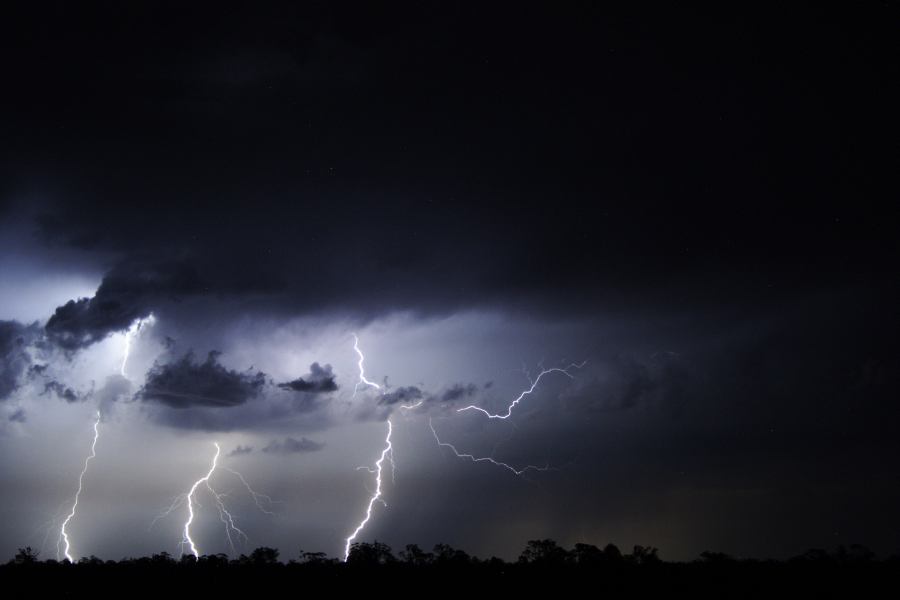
<point x="129" y="337"/>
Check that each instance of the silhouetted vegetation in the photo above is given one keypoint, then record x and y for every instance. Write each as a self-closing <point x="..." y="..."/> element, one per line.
<point x="542" y="565"/>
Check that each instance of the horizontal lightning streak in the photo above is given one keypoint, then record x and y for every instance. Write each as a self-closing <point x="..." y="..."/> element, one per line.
<point x="534" y="383"/>
<point x="488" y="459"/>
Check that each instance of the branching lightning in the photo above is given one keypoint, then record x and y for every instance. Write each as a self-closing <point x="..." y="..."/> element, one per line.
<point x="258" y="498"/>
<point x="186" y="538"/>
<point x="362" y="373"/>
<point x="129" y="337"/>
<point x="376" y="497"/>
<point x="225" y="516"/>
<point x="189" y="499"/>
<point x="63" y="536"/>
<point x="534" y="382"/>
<point x="487" y="459"/>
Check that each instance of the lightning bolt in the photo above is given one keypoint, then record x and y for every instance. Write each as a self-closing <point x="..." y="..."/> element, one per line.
<point x="362" y="373"/>
<point x="224" y="515"/>
<point x="63" y="536"/>
<point x="534" y="382"/>
<point x="129" y="337"/>
<point x="376" y="497"/>
<point x="484" y="458"/>
<point x="189" y="499"/>
<point x="258" y="499"/>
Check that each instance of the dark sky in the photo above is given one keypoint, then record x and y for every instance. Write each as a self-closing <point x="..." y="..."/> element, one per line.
<point x="698" y="204"/>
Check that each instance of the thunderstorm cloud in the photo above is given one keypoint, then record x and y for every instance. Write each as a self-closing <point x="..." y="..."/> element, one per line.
<point x="473" y="197"/>
<point x="14" y="358"/>
<point x="319" y="380"/>
<point x="186" y="383"/>
<point x="401" y="394"/>
<point x="62" y="391"/>
<point x="241" y="450"/>
<point x="128" y="292"/>
<point x="291" y="445"/>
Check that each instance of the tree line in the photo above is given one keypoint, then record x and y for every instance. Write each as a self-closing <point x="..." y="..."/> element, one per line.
<point x="537" y="553"/>
<point x="845" y="571"/>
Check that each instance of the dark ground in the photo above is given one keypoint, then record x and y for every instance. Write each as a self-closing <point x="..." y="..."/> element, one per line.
<point x="543" y="568"/>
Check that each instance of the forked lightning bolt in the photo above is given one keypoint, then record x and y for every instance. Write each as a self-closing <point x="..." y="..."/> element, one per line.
<point x="376" y="497"/>
<point x="534" y="383"/>
<point x="129" y="337"/>
<point x="186" y="538"/>
<point x="189" y="498"/>
<point x="258" y="499"/>
<point x="362" y="373"/>
<point x="224" y="515"/>
<point x="63" y="536"/>
<point x="487" y="459"/>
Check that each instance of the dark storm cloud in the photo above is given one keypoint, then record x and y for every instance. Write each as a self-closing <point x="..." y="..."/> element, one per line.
<point x="241" y="450"/>
<point x="291" y="445"/>
<point x="18" y="416"/>
<point x="14" y="359"/>
<point x="319" y="380"/>
<point x="185" y="383"/>
<point x="63" y="392"/>
<point x="233" y="203"/>
<point x="459" y="391"/>
<point x="299" y="163"/>
<point x="207" y="396"/>
<point x="401" y="394"/>
<point x="128" y="292"/>
<point x="37" y="370"/>
<point x="627" y="381"/>
<point x="412" y="395"/>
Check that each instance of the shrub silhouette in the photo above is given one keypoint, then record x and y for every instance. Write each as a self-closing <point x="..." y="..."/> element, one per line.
<point x="849" y="571"/>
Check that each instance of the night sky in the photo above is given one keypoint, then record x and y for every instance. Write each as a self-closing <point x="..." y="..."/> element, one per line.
<point x="698" y="205"/>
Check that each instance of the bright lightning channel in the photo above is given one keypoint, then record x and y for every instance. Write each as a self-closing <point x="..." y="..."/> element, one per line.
<point x="376" y="497"/>
<point x="534" y="382"/>
<point x="261" y="501"/>
<point x="224" y="515"/>
<point x="130" y="335"/>
<point x="63" y="536"/>
<point x="488" y="459"/>
<point x="362" y="373"/>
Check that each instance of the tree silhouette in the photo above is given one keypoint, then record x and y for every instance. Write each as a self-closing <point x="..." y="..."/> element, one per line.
<point x="447" y="555"/>
<point x="848" y="571"/>
<point x="264" y="556"/>
<point x="26" y="556"/>
<point x="546" y="553"/>
<point x="363" y="554"/>
<point x="644" y="556"/>
<point x="716" y="558"/>
<point x="415" y="556"/>
<point x="314" y="558"/>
